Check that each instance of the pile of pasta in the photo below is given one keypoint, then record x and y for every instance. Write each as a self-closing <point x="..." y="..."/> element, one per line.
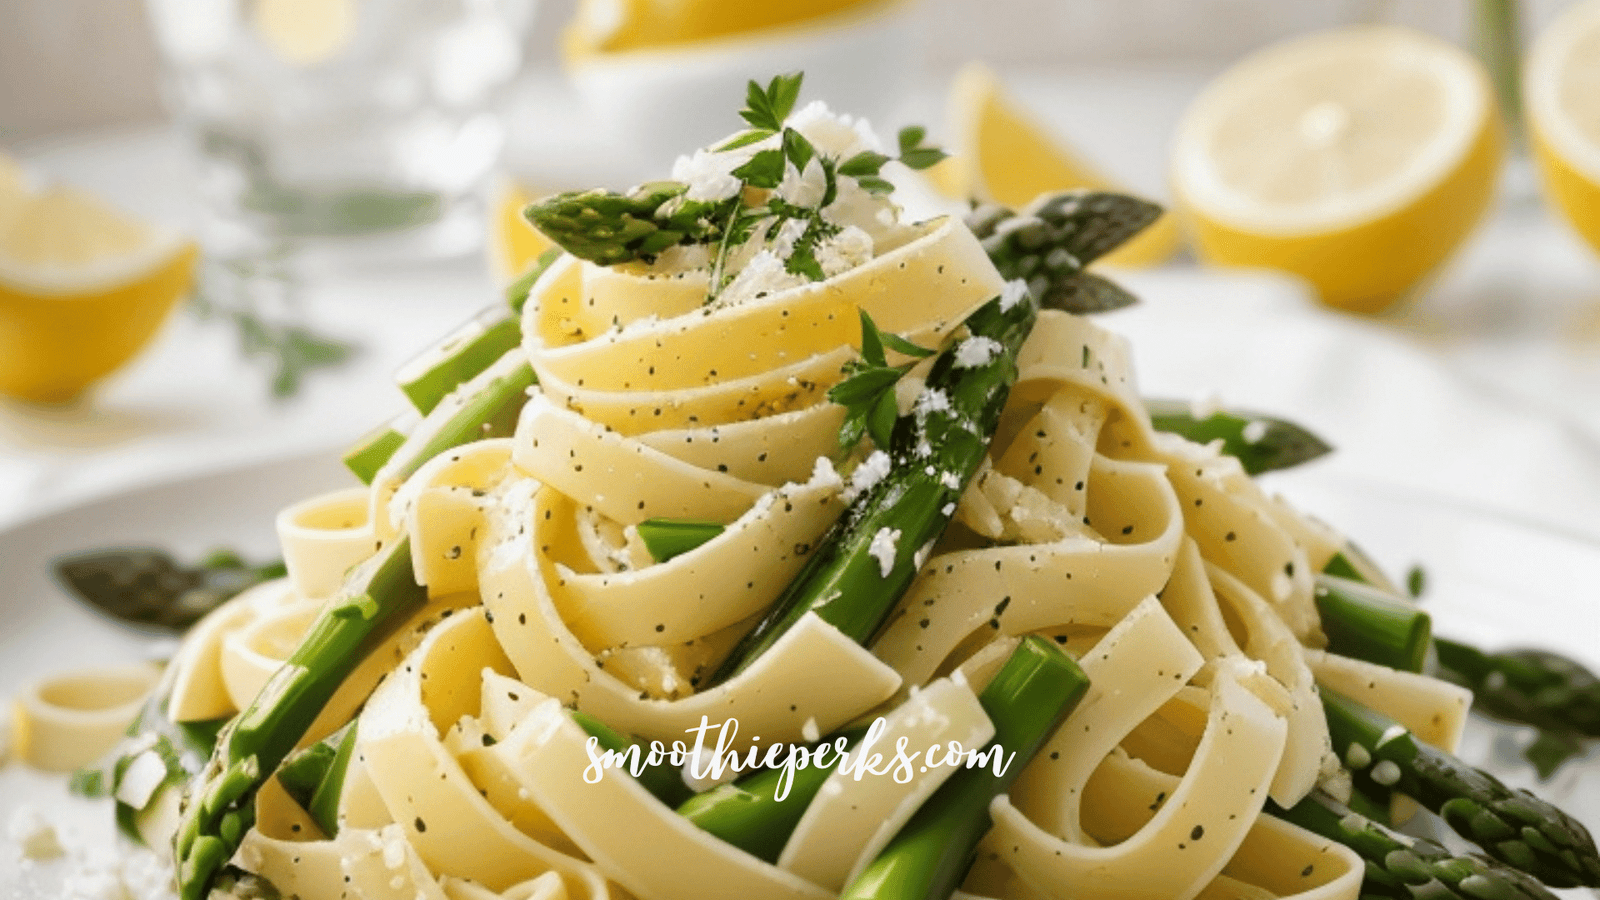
<point x="1184" y="590"/>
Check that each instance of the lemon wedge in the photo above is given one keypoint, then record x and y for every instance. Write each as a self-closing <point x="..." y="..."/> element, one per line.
<point x="1357" y="158"/>
<point x="1001" y="153"/>
<point x="82" y="288"/>
<point x="609" y="26"/>
<point x="1562" y="89"/>
<point x="513" y="243"/>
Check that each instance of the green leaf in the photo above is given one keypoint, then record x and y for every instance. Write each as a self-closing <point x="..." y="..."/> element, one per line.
<point x="911" y="137"/>
<point x="667" y="538"/>
<point x="764" y="170"/>
<point x="766" y="109"/>
<point x="923" y="157"/>
<point x="875" y="185"/>
<point x="900" y="345"/>
<point x="89" y="782"/>
<point x="862" y="388"/>
<point x="853" y="428"/>
<point x="797" y="149"/>
<point x="880" y="422"/>
<point x="871" y="342"/>
<point x="746" y="138"/>
<point x="863" y="165"/>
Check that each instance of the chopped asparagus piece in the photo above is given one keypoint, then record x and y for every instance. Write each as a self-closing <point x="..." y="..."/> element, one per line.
<point x="517" y="291"/>
<point x="1365" y="623"/>
<point x="667" y="538"/>
<point x="463" y="354"/>
<point x="376" y="447"/>
<point x="1035" y="689"/>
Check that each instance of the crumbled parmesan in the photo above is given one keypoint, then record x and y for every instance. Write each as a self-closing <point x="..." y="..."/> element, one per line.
<point x="1014" y="290"/>
<point x="709" y="174"/>
<point x="884" y="547"/>
<point x="1386" y="773"/>
<point x="977" y="350"/>
<point x="871" y="471"/>
<point x="1393" y="732"/>
<point x="804" y="187"/>
<point x="1254" y="431"/>
<point x="932" y="400"/>
<point x="809" y="731"/>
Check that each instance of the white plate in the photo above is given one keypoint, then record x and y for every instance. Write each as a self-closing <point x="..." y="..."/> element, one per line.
<point x="1490" y="580"/>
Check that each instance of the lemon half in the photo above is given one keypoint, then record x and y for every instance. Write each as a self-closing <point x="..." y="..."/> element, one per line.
<point x="1001" y="153"/>
<point x="1357" y="158"/>
<point x="514" y="244"/>
<point x="610" y="26"/>
<point x="1563" y="109"/>
<point x="82" y="288"/>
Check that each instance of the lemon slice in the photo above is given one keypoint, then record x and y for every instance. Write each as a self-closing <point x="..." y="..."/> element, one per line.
<point x="609" y="26"/>
<point x="1563" y="107"/>
<point x="1357" y="158"/>
<point x="1000" y="153"/>
<point x="82" y="288"/>
<point x="513" y="243"/>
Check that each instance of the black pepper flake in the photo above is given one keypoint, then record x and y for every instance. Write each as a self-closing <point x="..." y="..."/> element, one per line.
<point x="1306" y="872"/>
<point x="660" y="628"/>
<point x="1197" y="833"/>
<point x="421" y="825"/>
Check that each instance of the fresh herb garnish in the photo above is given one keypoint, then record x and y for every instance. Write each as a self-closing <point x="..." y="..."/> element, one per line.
<point x="780" y="193"/>
<point x="668" y="538"/>
<point x="867" y="393"/>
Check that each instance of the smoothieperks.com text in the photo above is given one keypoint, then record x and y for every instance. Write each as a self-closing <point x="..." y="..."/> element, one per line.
<point x="705" y="760"/>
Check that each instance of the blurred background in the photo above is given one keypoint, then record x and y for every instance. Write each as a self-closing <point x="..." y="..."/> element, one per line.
<point x="187" y="149"/>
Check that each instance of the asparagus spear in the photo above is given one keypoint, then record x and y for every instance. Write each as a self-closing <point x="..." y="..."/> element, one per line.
<point x="867" y="560"/>
<point x="314" y="777"/>
<point x="1511" y="825"/>
<point x="518" y="290"/>
<point x="667" y="538"/>
<point x="1365" y="623"/>
<point x="869" y="557"/>
<point x="1260" y="443"/>
<point x="1035" y="689"/>
<point x="1050" y="241"/>
<point x="609" y="228"/>
<point x="1536" y="687"/>
<point x="1404" y="867"/>
<point x="220" y="807"/>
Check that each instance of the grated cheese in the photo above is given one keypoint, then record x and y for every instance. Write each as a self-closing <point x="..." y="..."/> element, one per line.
<point x="885" y="545"/>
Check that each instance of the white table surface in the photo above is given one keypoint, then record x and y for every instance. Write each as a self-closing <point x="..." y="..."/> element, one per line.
<point x="1486" y="387"/>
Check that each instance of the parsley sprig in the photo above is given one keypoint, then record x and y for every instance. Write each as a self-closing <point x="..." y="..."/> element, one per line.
<point x="867" y="393"/>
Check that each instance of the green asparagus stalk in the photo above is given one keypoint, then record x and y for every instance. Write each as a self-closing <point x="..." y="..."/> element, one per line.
<point x="1511" y="825"/>
<point x="1403" y="867"/>
<point x="1534" y="687"/>
<point x="1260" y="443"/>
<point x="490" y="410"/>
<point x="609" y="228"/>
<point x="1048" y="243"/>
<point x="1365" y="623"/>
<point x="377" y="447"/>
<point x="314" y="777"/>
<point x="220" y="807"/>
<point x="748" y="812"/>
<point x="663" y="780"/>
<point x="868" y="559"/>
<point x="1035" y="689"/>
<point x="457" y="358"/>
